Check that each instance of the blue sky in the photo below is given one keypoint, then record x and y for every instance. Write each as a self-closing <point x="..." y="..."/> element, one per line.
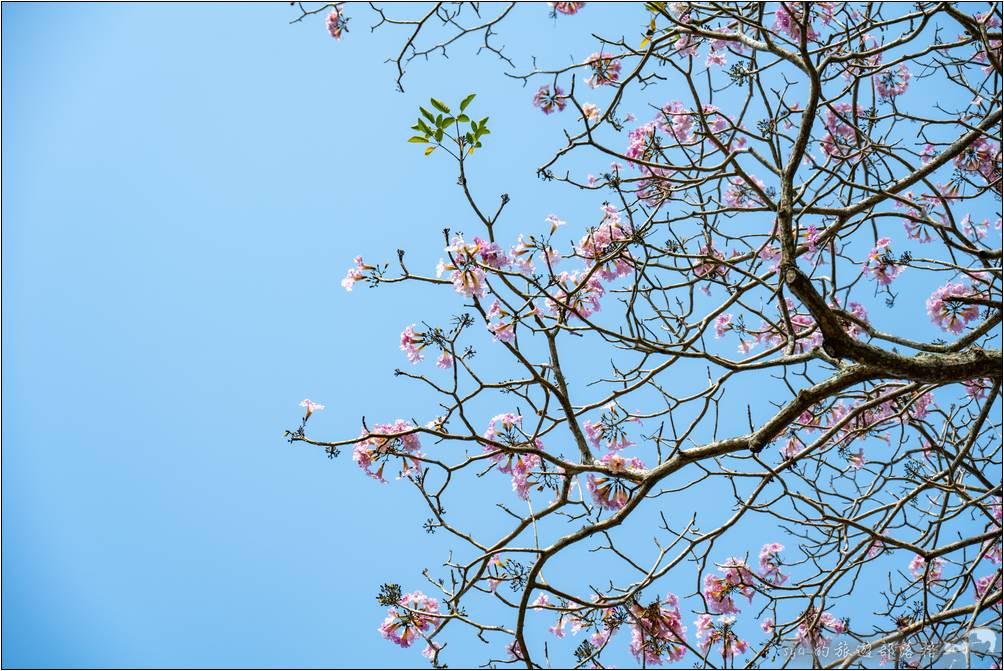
<point x="184" y="188"/>
<point x="182" y="195"/>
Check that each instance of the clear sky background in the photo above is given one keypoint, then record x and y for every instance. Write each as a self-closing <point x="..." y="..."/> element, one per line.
<point x="184" y="188"/>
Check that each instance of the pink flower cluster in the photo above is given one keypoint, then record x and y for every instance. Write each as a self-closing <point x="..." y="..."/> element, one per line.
<point x="718" y="590"/>
<point x="466" y="261"/>
<point x="950" y="315"/>
<point x="880" y="266"/>
<point x="741" y="195"/>
<point x="311" y="407"/>
<point x="657" y="632"/>
<point x="385" y="442"/>
<point x="601" y="242"/>
<point x="507" y="430"/>
<point x="839" y="142"/>
<point x="982" y="585"/>
<point x="577" y="293"/>
<point x="414" y="615"/>
<point x="606" y="69"/>
<point x="607" y="433"/>
<point x="548" y="100"/>
<point x="892" y="83"/>
<point x="770" y="564"/>
<point x="336" y="24"/>
<point x="788" y="19"/>
<point x="567" y="8"/>
<point x="412" y="343"/>
<point x="355" y="273"/>
<point x="919" y="566"/>
<point x="982" y="157"/>
<point x="710" y="634"/>
<point x="611" y="493"/>
<point x="723" y="323"/>
<point x="815" y="626"/>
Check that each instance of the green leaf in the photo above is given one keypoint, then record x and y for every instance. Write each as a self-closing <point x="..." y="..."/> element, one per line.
<point x="429" y="150"/>
<point x="424" y="127"/>
<point x="419" y="139"/>
<point x="463" y="118"/>
<point x="466" y="101"/>
<point x="439" y="135"/>
<point x="483" y="122"/>
<point x="439" y="106"/>
<point x="427" y="114"/>
<point x="448" y="121"/>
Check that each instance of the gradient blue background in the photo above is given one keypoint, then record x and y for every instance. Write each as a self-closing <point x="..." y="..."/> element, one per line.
<point x="184" y="187"/>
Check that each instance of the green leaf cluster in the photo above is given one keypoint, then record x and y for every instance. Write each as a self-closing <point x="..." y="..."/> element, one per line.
<point x="433" y="127"/>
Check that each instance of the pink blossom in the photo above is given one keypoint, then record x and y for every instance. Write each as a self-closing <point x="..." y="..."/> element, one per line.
<point x="576" y="295"/>
<point x="470" y="282"/>
<point x="567" y="8"/>
<point x="952" y="315"/>
<point x="982" y="157"/>
<point x="507" y="430"/>
<point x="612" y="493"/>
<point x="839" y="142"/>
<point x="412" y="343"/>
<point x="978" y="388"/>
<point x="880" y="265"/>
<point x="548" y="101"/>
<point x="642" y="142"/>
<point x="337" y="24"/>
<point x="606" y="69"/>
<point x="591" y="112"/>
<point x="445" y="360"/>
<point x="501" y="323"/>
<point x="918" y="565"/>
<point x="707" y="267"/>
<point x="686" y="46"/>
<point x="892" y="83"/>
<point x="605" y="246"/>
<point x="709" y="634"/>
<point x="736" y="578"/>
<point x="607" y="433"/>
<point x="431" y="650"/>
<point x="386" y="442"/>
<point x="814" y="627"/>
<point x="788" y="20"/>
<point x="770" y="564"/>
<point x="984" y="584"/>
<point x="741" y="194"/>
<point x="514" y="650"/>
<point x="311" y="407"/>
<point x="554" y="221"/>
<point x="355" y="273"/>
<point x="875" y="549"/>
<point x="677" y="121"/>
<point x="767" y="625"/>
<point x="723" y="323"/>
<point x="406" y="622"/>
<point x="715" y="57"/>
<point x="657" y="632"/>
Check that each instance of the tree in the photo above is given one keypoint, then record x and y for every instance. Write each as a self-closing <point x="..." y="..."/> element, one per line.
<point x="757" y="243"/>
